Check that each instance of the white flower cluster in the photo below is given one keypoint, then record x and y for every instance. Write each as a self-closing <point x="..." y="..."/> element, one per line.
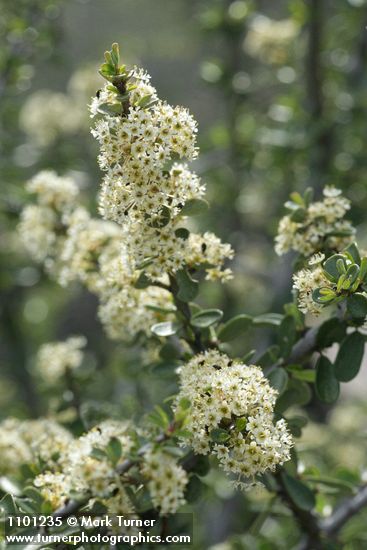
<point x="82" y="469"/>
<point x="42" y="224"/>
<point x="55" y="359"/>
<point x="323" y="227"/>
<point x="86" y="239"/>
<point x="167" y="481"/>
<point x="85" y="467"/>
<point x="144" y="190"/>
<point x="306" y="281"/>
<point x="208" y="249"/>
<point x="231" y="415"/>
<point x="76" y="247"/>
<point x="31" y="441"/>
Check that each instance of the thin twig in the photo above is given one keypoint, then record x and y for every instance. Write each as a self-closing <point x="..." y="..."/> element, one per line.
<point x="344" y="512"/>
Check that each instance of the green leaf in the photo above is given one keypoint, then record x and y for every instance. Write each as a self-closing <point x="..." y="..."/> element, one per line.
<point x="8" y="505"/>
<point x="199" y="464"/>
<point x="296" y="197"/>
<point x="167" y="328"/>
<point x="159" y="417"/>
<point x="268" y="320"/>
<point x="332" y="330"/>
<point x="182" y="233"/>
<point x="194" y="207"/>
<point x="170" y="351"/>
<point x="301" y="494"/>
<point x="323" y="295"/>
<point x="299" y="215"/>
<point x="184" y="403"/>
<point x="297" y="393"/>
<point x="98" y="454"/>
<point x="115" y="54"/>
<point x="187" y="287"/>
<point x="142" y="281"/>
<point x="286" y="335"/>
<point x="107" y="70"/>
<point x="295" y="425"/>
<point x="363" y="270"/>
<point x="114" y="450"/>
<point x="349" y="358"/>
<point x="291" y="465"/>
<point x="144" y="101"/>
<point x="300" y="373"/>
<point x="34" y="495"/>
<point x="110" y="109"/>
<point x="234" y="327"/>
<point x="162" y="218"/>
<point x="326" y="385"/>
<point x="278" y="379"/>
<point x="219" y="436"/>
<point x="206" y="318"/>
<point x="330" y="267"/>
<point x="241" y="423"/>
<point x="357" y="305"/>
<point x="194" y="489"/>
<point x="353" y="253"/>
<point x="269" y="357"/>
<point x="249" y="356"/>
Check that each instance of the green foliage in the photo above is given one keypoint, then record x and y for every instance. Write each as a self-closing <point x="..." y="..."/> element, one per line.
<point x="347" y="273"/>
<point x="234" y="328"/>
<point x="327" y="385"/>
<point x="278" y="379"/>
<point x="349" y="358"/>
<point x="206" y="318"/>
<point x="299" y="492"/>
<point x="165" y="329"/>
<point x="187" y="286"/>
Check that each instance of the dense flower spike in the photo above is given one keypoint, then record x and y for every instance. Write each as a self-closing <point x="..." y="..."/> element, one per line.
<point x="145" y="190"/>
<point x="76" y="247"/>
<point x="315" y="227"/>
<point x="230" y="409"/>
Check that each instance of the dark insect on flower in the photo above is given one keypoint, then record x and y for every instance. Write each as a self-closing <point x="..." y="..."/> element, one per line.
<point x="98" y="94"/>
<point x="203" y="247"/>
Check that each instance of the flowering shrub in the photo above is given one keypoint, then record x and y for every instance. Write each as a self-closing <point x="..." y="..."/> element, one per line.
<point x="144" y="262"/>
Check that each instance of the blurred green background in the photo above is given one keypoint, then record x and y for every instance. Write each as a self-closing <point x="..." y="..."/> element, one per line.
<point x="279" y="91"/>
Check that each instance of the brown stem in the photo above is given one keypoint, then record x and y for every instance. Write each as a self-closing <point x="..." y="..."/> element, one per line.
<point x="345" y="511"/>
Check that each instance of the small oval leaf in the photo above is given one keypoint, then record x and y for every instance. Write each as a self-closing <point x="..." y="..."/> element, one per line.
<point x="357" y="305"/>
<point x="278" y="379"/>
<point x="326" y="385"/>
<point x="349" y="358"/>
<point x="194" y="207"/>
<point x="234" y="327"/>
<point x="206" y="318"/>
<point x="165" y="329"/>
<point x="301" y="494"/>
